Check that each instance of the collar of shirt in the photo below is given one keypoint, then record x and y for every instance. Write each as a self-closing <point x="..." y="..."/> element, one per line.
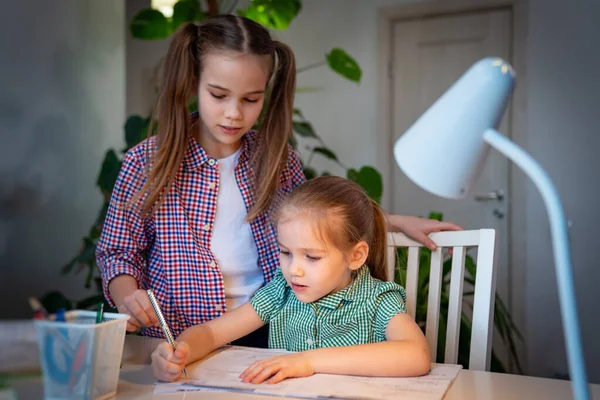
<point x="349" y="293"/>
<point x="195" y="155"/>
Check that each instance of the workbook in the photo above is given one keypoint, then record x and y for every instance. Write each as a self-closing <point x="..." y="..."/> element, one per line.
<point x="221" y="370"/>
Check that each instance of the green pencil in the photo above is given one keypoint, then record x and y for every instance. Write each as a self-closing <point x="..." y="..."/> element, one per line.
<point x="99" y="312"/>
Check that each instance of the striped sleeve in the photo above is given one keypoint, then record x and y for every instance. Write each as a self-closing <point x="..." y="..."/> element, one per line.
<point x="390" y="302"/>
<point x="119" y="250"/>
<point x="269" y="300"/>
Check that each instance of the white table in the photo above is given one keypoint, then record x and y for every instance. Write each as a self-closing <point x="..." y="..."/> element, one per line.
<point x="137" y="382"/>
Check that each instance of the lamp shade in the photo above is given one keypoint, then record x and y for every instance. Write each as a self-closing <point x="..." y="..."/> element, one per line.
<point x="443" y="151"/>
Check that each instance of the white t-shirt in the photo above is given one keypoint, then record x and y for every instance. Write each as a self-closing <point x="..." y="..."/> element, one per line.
<point x="232" y="242"/>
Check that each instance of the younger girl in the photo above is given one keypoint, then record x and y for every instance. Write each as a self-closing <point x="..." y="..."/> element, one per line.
<point x="328" y="300"/>
<point x="189" y="215"/>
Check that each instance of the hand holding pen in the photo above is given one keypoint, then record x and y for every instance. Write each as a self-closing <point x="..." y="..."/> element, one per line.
<point x="178" y="357"/>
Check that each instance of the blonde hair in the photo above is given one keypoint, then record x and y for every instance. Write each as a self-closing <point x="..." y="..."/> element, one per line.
<point x="173" y="124"/>
<point x="345" y="216"/>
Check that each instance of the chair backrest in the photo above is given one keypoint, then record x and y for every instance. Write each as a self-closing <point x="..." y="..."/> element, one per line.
<point x="485" y="289"/>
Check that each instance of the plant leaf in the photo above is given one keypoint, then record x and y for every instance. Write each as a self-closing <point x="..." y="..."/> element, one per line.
<point x="186" y="11"/>
<point x="298" y="113"/>
<point x="343" y="64"/>
<point x="370" y="180"/>
<point x="272" y="14"/>
<point x="304" y="129"/>
<point x="326" y="152"/>
<point x="438" y="216"/>
<point x="109" y="172"/>
<point x="136" y="130"/>
<point x="309" y="173"/>
<point x="149" y="24"/>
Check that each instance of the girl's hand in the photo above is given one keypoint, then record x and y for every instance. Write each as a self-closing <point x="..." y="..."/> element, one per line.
<point x="278" y="368"/>
<point x="167" y="364"/>
<point x="138" y="306"/>
<point x="418" y="228"/>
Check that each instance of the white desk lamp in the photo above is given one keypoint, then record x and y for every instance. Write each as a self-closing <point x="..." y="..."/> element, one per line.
<point x="444" y="152"/>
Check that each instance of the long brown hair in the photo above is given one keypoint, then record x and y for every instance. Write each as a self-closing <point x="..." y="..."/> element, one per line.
<point x="173" y="124"/>
<point x="345" y="216"/>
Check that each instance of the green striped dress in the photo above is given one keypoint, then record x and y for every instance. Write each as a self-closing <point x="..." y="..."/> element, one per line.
<point x="357" y="314"/>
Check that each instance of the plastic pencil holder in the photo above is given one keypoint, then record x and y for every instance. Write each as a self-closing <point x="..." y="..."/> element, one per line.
<point x="81" y="359"/>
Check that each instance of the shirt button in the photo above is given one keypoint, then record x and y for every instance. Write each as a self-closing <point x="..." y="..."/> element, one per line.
<point x="218" y="307"/>
<point x="211" y="162"/>
<point x="206" y="227"/>
<point x="212" y="185"/>
<point x="213" y="265"/>
<point x="309" y="342"/>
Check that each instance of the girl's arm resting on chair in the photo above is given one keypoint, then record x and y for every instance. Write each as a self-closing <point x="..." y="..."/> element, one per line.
<point x="404" y="353"/>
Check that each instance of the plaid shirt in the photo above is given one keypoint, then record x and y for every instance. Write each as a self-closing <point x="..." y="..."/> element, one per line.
<point x="357" y="314"/>
<point x="170" y="252"/>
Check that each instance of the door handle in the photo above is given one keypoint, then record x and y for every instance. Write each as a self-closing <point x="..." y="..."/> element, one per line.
<point x="497" y="195"/>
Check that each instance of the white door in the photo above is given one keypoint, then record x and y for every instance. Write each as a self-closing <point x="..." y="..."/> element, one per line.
<point x="429" y="54"/>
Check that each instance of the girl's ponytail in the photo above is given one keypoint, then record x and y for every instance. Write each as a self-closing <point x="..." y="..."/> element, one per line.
<point x="377" y="258"/>
<point x="275" y="131"/>
<point x="181" y="71"/>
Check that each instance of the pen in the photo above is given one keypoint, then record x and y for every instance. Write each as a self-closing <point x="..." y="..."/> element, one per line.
<point x="99" y="312"/>
<point x="163" y="323"/>
<point x="60" y="315"/>
<point x="39" y="312"/>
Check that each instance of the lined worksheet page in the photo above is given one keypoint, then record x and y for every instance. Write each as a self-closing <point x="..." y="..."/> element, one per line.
<point x="222" y="371"/>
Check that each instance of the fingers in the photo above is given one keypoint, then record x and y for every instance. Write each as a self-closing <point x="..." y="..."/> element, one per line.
<point x="278" y="377"/>
<point x="181" y="353"/>
<point x="165" y="365"/>
<point x="132" y="325"/>
<point x="140" y="309"/>
<point x="448" y="226"/>
<point x="259" y="372"/>
<point x="421" y="237"/>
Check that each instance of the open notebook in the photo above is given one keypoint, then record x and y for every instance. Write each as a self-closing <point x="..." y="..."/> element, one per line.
<point x="221" y="371"/>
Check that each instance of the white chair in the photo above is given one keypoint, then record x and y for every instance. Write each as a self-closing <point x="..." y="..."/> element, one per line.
<point x="485" y="289"/>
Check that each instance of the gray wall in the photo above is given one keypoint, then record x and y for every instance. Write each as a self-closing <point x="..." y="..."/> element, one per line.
<point x="563" y="134"/>
<point x="62" y="105"/>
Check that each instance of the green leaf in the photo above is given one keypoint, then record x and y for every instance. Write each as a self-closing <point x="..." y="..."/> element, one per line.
<point x="186" y="11"/>
<point x="88" y="254"/>
<point x="298" y="113"/>
<point x="309" y="173"/>
<point x="193" y="105"/>
<point x="109" y="172"/>
<point x="470" y="266"/>
<point x="52" y="301"/>
<point x="370" y="180"/>
<point x="438" y="216"/>
<point x="149" y="24"/>
<point x="136" y="130"/>
<point x="67" y="268"/>
<point x="304" y="129"/>
<point x="326" y="152"/>
<point x="343" y="64"/>
<point x="272" y="14"/>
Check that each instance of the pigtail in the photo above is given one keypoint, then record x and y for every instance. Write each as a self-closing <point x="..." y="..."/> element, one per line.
<point x="275" y="131"/>
<point x="171" y="120"/>
<point x="377" y="258"/>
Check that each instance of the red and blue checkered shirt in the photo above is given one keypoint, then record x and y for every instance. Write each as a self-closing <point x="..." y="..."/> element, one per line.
<point x="170" y="251"/>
